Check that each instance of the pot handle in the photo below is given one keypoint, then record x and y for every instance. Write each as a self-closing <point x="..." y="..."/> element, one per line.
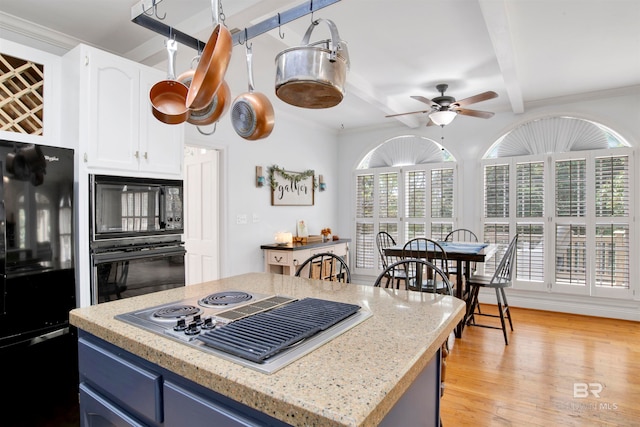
<point x="336" y="43"/>
<point x="172" y="48"/>
<point x="249" y="66"/>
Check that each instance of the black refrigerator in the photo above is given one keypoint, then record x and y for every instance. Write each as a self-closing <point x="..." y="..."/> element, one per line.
<point x="36" y="242"/>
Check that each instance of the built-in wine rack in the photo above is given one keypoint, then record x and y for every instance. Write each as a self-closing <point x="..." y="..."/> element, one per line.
<point x="21" y="95"/>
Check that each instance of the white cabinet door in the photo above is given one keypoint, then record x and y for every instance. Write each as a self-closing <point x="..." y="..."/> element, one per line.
<point x="113" y="114"/>
<point x="161" y="148"/>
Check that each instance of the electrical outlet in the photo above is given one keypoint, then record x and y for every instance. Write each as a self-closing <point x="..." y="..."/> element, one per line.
<point x="256" y="218"/>
<point x="241" y="219"/>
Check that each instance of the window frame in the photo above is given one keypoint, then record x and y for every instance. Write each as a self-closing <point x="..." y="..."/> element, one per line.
<point x="551" y="221"/>
<point x="401" y="221"/>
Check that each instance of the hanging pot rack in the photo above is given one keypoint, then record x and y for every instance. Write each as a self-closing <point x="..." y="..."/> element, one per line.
<point x="141" y="15"/>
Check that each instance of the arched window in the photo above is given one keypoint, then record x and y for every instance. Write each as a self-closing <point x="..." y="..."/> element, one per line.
<point x="406" y="187"/>
<point x="565" y="186"/>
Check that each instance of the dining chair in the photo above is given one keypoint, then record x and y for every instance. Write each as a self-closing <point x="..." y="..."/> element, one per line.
<point x="502" y="278"/>
<point x="423" y="276"/>
<point x="384" y="240"/>
<point x="417" y="247"/>
<point x="325" y="266"/>
<point x="461" y="235"/>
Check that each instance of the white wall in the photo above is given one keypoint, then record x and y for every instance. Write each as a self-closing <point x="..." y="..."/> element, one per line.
<point x="292" y="145"/>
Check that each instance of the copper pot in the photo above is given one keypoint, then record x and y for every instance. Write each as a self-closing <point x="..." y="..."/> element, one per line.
<point x="313" y="75"/>
<point x="212" y="66"/>
<point x="252" y="113"/>
<point x="168" y="97"/>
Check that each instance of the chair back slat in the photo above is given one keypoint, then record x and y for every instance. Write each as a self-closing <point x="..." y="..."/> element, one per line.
<point x="384" y="240"/>
<point x="461" y="235"/>
<point x="503" y="275"/>
<point x="416" y="247"/>
<point x="421" y="275"/>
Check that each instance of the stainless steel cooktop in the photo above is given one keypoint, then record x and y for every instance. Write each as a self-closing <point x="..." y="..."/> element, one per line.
<point x="262" y="332"/>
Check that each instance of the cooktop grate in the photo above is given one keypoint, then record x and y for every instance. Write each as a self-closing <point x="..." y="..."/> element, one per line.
<point x="263" y="335"/>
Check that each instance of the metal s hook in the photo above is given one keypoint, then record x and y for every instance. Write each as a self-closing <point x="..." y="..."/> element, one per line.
<point x="311" y="10"/>
<point x="153" y="12"/>
<point x="280" y="33"/>
<point x="246" y="39"/>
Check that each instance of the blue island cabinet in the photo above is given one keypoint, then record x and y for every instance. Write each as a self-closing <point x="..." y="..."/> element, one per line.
<point x="118" y="388"/>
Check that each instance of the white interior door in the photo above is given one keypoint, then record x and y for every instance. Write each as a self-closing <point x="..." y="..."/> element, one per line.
<point x="201" y="215"/>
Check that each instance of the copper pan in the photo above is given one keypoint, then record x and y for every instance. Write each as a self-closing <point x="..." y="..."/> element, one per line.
<point x="216" y="108"/>
<point x="168" y="97"/>
<point x="212" y="66"/>
<point x="252" y="114"/>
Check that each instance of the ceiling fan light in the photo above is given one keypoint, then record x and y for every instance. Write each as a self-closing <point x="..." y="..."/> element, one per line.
<point x="442" y="118"/>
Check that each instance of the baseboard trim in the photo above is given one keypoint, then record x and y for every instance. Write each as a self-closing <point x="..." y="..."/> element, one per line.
<point x="562" y="303"/>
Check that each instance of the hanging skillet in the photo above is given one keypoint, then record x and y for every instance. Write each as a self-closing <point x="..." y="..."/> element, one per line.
<point x="213" y="64"/>
<point x="216" y="108"/>
<point x="168" y="96"/>
<point x="252" y="113"/>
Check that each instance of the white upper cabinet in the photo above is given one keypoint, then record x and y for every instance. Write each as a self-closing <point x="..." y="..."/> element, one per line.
<point x="161" y="148"/>
<point x="116" y="129"/>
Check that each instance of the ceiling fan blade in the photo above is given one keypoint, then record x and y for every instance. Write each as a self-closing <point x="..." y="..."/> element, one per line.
<point x="411" y="112"/>
<point x="476" y="98"/>
<point x="426" y="101"/>
<point x="474" y="113"/>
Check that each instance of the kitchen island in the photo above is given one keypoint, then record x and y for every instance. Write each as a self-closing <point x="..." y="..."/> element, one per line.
<point x="380" y="372"/>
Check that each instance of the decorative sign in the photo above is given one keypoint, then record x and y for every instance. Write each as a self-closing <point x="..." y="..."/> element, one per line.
<point x="291" y="188"/>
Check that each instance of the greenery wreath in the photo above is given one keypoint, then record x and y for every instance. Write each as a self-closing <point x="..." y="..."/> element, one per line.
<point x="295" y="177"/>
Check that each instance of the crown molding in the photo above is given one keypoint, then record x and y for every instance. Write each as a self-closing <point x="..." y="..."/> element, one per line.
<point x="36" y="36"/>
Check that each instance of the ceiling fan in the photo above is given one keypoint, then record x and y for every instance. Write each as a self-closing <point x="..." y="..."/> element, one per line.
<point x="444" y="108"/>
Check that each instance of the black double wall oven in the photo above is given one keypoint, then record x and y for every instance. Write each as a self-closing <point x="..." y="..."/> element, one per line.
<point x="36" y="242"/>
<point x="136" y="226"/>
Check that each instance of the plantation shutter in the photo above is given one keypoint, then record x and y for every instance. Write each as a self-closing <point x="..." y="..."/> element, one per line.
<point x="571" y="186"/>
<point x="530" y="224"/>
<point x="612" y="201"/>
<point x="365" y="238"/>
<point x="496" y="191"/>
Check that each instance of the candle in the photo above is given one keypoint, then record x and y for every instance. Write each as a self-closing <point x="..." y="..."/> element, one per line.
<point x="283" y="237"/>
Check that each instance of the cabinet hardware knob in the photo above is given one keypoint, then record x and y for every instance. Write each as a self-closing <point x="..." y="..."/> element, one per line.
<point x="137" y="155"/>
<point x="146" y="156"/>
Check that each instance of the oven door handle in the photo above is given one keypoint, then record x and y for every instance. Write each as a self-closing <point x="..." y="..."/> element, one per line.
<point x="145" y="253"/>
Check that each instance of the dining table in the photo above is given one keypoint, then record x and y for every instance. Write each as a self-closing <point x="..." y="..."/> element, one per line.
<point x="463" y="253"/>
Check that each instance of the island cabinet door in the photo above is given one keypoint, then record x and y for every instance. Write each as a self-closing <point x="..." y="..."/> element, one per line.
<point x="183" y="407"/>
<point x="99" y="411"/>
<point x="136" y="390"/>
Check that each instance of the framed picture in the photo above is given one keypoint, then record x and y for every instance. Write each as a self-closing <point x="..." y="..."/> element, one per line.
<point x="301" y="228"/>
<point x="291" y="189"/>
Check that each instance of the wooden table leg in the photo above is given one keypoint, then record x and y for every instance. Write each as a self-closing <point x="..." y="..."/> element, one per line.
<point x="459" y="293"/>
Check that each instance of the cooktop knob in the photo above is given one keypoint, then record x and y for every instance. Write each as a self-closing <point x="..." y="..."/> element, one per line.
<point x="192" y="329"/>
<point x="208" y="323"/>
<point x="181" y="325"/>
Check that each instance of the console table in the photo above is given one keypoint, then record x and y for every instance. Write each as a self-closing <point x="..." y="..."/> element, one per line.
<point x="285" y="259"/>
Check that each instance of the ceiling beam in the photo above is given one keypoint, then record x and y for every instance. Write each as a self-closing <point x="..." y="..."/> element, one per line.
<point x="497" y="21"/>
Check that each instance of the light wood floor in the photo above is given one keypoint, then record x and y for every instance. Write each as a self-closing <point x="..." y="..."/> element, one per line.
<point x="531" y="381"/>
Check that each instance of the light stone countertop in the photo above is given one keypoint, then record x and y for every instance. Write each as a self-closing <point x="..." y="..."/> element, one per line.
<point x="353" y="380"/>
